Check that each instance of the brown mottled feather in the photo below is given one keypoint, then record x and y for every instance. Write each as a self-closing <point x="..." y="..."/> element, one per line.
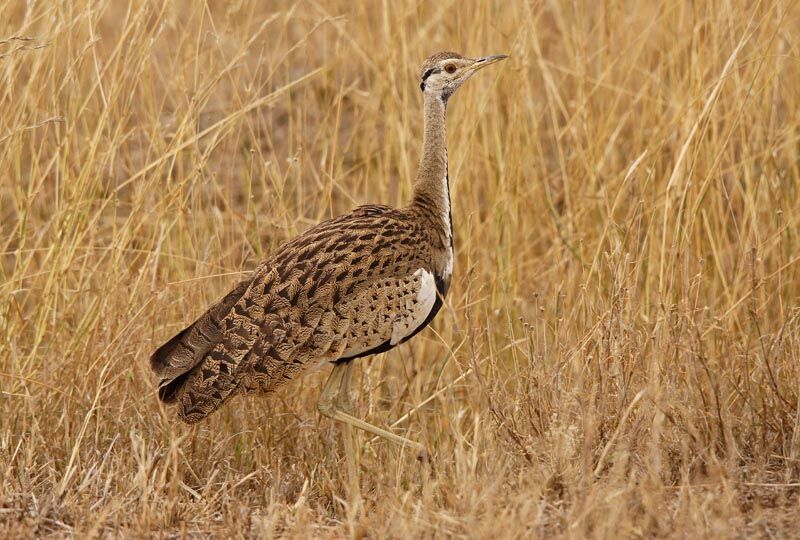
<point x="327" y="294"/>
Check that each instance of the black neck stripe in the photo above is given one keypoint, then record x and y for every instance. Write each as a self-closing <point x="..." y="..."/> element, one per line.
<point x="428" y="73"/>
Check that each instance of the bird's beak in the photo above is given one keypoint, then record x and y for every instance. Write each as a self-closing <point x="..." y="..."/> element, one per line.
<point x="481" y="63"/>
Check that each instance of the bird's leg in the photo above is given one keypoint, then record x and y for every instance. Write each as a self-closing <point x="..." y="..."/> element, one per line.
<point x="343" y="401"/>
<point x="344" y="404"/>
<point x="329" y="403"/>
<point x="335" y="400"/>
<point x="326" y="404"/>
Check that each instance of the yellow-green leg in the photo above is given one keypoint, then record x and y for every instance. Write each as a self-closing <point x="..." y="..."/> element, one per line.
<point x="335" y="404"/>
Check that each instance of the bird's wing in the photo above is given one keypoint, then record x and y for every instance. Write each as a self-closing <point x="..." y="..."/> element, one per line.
<point x="361" y="270"/>
<point x="378" y="315"/>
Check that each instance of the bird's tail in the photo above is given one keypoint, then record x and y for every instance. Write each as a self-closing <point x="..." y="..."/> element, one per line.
<point x="178" y="359"/>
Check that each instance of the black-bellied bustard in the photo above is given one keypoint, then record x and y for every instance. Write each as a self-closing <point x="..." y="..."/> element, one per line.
<point x="353" y="286"/>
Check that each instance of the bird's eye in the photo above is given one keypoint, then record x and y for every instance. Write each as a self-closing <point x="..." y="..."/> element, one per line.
<point x="450" y="68"/>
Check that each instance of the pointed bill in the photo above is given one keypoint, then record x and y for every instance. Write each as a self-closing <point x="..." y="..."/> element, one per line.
<point x="487" y="60"/>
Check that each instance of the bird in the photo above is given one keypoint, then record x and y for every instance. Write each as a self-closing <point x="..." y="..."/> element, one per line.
<point x="350" y="287"/>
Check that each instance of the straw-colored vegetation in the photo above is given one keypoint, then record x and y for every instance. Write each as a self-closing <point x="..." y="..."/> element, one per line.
<point x="620" y="351"/>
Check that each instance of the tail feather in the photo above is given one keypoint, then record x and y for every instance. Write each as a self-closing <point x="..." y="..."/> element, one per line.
<point x="201" y="396"/>
<point x="175" y="360"/>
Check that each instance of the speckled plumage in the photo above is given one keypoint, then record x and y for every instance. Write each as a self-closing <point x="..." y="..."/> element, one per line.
<point x="352" y="286"/>
<point x="335" y="292"/>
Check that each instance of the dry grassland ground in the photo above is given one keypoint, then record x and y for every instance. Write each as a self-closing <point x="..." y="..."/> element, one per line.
<point x="619" y="355"/>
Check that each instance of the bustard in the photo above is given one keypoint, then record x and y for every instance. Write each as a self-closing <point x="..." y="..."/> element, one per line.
<point x="353" y="286"/>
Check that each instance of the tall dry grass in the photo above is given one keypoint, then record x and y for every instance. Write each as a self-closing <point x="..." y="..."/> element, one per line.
<point x="620" y="352"/>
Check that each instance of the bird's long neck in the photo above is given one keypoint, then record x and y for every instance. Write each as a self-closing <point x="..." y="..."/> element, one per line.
<point x="431" y="188"/>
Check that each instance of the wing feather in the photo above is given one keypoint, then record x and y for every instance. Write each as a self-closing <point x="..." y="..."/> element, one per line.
<point x="351" y="286"/>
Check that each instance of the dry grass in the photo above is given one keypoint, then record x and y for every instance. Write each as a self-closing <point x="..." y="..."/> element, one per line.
<point x="620" y="353"/>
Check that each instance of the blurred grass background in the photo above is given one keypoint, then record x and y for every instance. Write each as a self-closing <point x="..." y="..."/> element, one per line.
<point x="620" y="351"/>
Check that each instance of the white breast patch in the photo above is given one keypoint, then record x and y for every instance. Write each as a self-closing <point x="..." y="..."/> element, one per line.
<point x="421" y="308"/>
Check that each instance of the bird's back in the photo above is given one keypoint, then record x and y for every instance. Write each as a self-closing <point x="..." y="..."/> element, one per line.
<point x="354" y="285"/>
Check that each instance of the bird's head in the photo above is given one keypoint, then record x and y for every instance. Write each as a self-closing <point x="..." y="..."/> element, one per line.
<point x="444" y="72"/>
